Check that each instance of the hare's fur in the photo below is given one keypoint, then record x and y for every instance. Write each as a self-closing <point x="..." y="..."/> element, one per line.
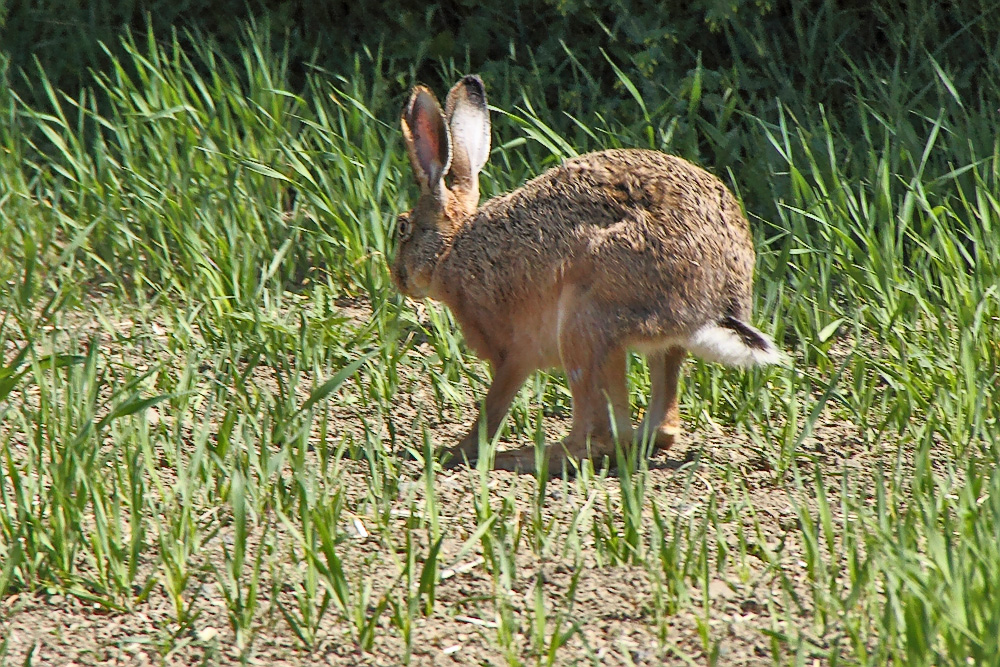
<point x="610" y="251"/>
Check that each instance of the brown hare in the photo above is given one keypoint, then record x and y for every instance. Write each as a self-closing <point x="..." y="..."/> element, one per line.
<point x="615" y="250"/>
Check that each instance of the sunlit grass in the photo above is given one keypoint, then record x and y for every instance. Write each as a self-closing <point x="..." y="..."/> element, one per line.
<point x="204" y="363"/>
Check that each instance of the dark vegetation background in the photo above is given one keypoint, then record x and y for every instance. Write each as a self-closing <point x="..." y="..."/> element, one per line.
<point x="715" y="68"/>
<point x="778" y="42"/>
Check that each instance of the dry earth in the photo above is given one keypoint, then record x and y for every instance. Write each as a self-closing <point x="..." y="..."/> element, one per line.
<point x="740" y="607"/>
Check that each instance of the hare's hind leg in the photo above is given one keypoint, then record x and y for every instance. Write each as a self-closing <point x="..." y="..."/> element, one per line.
<point x="595" y="367"/>
<point x="663" y="418"/>
<point x="600" y="409"/>
<point x="600" y="416"/>
<point x="594" y="361"/>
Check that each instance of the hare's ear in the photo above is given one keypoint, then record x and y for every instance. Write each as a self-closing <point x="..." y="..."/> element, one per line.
<point x="427" y="140"/>
<point x="469" y="121"/>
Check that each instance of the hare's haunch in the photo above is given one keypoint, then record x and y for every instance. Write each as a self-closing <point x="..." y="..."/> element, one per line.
<point x="616" y="250"/>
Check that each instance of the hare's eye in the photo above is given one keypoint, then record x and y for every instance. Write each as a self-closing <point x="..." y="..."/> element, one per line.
<point x="403" y="228"/>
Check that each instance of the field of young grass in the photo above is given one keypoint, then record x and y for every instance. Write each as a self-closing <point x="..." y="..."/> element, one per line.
<point x="216" y="412"/>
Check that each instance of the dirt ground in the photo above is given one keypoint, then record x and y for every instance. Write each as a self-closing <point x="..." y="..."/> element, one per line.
<point x="741" y="606"/>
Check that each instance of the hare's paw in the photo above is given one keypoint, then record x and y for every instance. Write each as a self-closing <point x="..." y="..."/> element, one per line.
<point x="465" y="451"/>
<point x="559" y="458"/>
<point x="525" y="460"/>
<point x="667" y="436"/>
<point x="520" y="460"/>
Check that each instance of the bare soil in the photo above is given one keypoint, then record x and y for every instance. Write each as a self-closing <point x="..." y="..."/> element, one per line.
<point x="740" y="607"/>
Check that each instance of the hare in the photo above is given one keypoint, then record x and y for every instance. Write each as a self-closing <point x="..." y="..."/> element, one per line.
<point x="611" y="251"/>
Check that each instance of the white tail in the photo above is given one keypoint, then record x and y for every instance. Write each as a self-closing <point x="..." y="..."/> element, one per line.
<point x="734" y="343"/>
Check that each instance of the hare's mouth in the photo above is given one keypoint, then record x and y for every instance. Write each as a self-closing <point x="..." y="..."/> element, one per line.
<point x="418" y="289"/>
<point x="410" y="284"/>
<point x="415" y="292"/>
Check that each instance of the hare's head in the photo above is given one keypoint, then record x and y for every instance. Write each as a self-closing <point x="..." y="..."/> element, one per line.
<point x="453" y="144"/>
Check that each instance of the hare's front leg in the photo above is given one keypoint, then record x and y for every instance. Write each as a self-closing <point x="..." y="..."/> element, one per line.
<point x="663" y="417"/>
<point x="507" y="379"/>
<point x="600" y="413"/>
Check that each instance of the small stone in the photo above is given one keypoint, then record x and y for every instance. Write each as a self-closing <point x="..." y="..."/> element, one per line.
<point x="718" y="588"/>
<point x="207" y="634"/>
